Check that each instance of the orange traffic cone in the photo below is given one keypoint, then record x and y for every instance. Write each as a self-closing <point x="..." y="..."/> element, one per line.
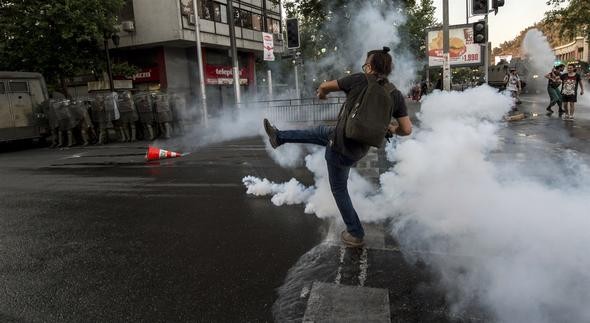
<point x="155" y="153"/>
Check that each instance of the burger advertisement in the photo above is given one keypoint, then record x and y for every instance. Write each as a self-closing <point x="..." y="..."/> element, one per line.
<point x="462" y="50"/>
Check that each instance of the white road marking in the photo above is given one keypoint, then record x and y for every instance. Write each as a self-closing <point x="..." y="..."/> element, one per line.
<point x="363" y="265"/>
<point x="339" y="273"/>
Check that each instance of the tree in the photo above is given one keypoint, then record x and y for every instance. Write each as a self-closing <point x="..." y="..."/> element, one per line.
<point x="573" y="16"/>
<point x="58" y="38"/>
<point x="420" y="17"/>
<point x="327" y="26"/>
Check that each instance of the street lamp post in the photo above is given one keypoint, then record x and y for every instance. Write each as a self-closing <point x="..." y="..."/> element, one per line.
<point x="115" y="38"/>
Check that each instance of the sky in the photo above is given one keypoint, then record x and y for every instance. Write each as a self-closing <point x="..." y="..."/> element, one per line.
<point x="512" y="18"/>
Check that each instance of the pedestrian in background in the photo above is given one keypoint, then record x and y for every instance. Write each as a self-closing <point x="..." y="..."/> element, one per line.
<point x="513" y="85"/>
<point x="569" y="90"/>
<point x="553" y="83"/>
<point x="342" y="152"/>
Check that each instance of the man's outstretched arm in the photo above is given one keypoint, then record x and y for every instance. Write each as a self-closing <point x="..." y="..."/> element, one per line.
<point x="327" y="87"/>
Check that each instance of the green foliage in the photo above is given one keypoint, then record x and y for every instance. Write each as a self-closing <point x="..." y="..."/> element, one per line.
<point x="58" y="38"/>
<point x="124" y="69"/>
<point x="420" y="17"/>
<point x="573" y="16"/>
<point x="322" y="24"/>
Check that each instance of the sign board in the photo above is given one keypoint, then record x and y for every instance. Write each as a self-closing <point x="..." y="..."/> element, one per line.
<point x="149" y="74"/>
<point x="223" y="75"/>
<point x="268" y="45"/>
<point x="462" y="50"/>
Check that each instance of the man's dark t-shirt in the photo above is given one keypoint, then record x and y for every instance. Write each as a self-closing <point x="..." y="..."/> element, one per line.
<point x="351" y="148"/>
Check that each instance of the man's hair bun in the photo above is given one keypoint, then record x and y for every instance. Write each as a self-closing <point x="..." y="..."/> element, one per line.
<point x="386" y="49"/>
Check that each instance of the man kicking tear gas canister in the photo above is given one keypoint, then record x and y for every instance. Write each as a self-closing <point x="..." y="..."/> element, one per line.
<point x="342" y="152"/>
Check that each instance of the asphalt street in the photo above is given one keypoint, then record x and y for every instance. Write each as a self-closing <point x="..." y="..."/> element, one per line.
<point x="97" y="234"/>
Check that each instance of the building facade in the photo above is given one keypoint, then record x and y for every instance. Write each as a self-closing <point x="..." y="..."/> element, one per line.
<point x="577" y="50"/>
<point x="158" y="36"/>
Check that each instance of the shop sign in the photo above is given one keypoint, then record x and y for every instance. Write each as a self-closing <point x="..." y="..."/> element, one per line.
<point x="223" y="75"/>
<point x="150" y="74"/>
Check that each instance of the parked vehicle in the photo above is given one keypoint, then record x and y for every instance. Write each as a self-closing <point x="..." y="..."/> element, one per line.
<point x="22" y="95"/>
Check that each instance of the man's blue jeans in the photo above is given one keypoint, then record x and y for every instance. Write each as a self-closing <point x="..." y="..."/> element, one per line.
<point x="338" y="170"/>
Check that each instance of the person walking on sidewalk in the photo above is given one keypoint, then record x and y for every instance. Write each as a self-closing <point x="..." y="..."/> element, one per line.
<point x="569" y="90"/>
<point x="553" y="83"/>
<point x="341" y="152"/>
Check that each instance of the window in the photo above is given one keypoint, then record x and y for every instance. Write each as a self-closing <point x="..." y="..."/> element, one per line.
<point x="18" y="87"/>
<point x="223" y="13"/>
<point x="246" y="19"/>
<point x="274" y="26"/>
<point x="256" y="22"/>
<point x="237" y="17"/>
<point x="206" y="9"/>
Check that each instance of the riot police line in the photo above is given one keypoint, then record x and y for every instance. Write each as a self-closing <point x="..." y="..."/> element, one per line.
<point x="87" y="120"/>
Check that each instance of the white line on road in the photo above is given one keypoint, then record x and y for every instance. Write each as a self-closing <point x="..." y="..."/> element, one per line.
<point x="363" y="265"/>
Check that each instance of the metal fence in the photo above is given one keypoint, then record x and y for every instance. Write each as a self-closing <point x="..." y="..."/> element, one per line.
<point x="303" y="110"/>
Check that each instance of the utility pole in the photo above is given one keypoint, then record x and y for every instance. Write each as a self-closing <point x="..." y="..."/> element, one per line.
<point x="109" y="68"/>
<point x="200" y="64"/>
<point x="270" y="94"/>
<point x="446" y="56"/>
<point x="234" y="53"/>
<point x="466" y="11"/>
<point x="486" y="63"/>
<point x="297" y="95"/>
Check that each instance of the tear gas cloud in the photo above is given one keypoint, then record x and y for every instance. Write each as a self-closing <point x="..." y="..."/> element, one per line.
<point x="367" y="26"/>
<point x="536" y="47"/>
<point x="370" y="27"/>
<point x="516" y="245"/>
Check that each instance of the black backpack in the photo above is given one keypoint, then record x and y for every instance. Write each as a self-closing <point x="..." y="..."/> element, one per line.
<point x="368" y="114"/>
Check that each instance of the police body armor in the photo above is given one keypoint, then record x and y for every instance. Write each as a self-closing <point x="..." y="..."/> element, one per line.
<point x="143" y="104"/>
<point x="111" y="108"/>
<point x="51" y="113"/>
<point x="98" y="109"/>
<point x="163" y="111"/>
<point x="65" y="119"/>
<point x="127" y="108"/>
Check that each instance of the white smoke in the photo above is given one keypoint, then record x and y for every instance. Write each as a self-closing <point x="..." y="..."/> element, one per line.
<point x="366" y="27"/>
<point x="515" y="244"/>
<point x="536" y="47"/>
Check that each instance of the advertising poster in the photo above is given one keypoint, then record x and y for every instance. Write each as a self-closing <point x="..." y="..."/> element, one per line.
<point x="462" y="50"/>
<point x="268" y="44"/>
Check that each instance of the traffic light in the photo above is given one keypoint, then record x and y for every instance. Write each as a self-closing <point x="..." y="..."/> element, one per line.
<point x="497" y="4"/>
<point x="479" y="7"/>
<point x="292" y="33"/>
<point x="479" y="32"/>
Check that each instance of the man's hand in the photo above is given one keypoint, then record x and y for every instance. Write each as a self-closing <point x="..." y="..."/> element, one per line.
<point x="321" y="94"/>
<point x="392" y="128"/>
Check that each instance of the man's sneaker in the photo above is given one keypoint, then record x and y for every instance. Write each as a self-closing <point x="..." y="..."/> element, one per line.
<point x="549" y="110"/>
<point x="271" y="131"/>
<point x="351" y="240"/>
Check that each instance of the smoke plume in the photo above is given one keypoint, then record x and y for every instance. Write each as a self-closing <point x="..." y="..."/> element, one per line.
<point x="536" y="47"/>
<point x="513" y="243"/>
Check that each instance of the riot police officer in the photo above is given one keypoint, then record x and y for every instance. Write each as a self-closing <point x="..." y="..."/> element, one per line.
<point x="128" y="117"/>
<point x="51" y="114"/>
<point x="143" y="103"/>
<point x="163" y="114"/>
<point x="66" y="123"/>
<point x="99" y="115"/>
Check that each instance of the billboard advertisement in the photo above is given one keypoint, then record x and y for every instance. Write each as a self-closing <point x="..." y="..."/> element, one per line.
<point x="462" y="50"/>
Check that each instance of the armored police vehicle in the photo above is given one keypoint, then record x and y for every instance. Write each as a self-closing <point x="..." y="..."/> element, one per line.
<point x="21" y="97"/>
